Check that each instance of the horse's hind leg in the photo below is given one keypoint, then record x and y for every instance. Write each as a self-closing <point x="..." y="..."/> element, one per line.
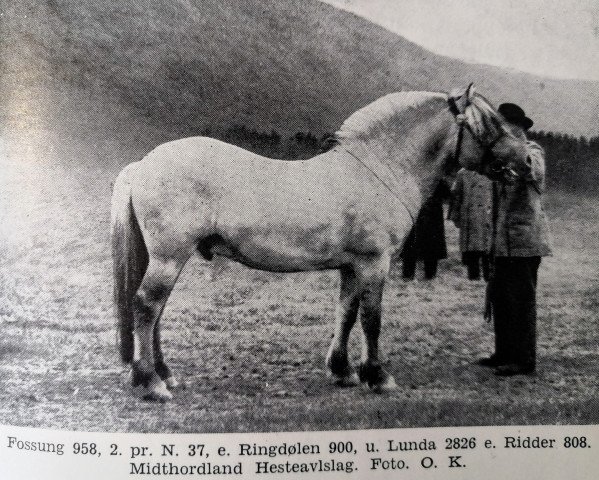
<point x="162" y="369"/>
<point x="371" y="277"/>
<point x="148" y="305"/>
<point x="345" y="318"/>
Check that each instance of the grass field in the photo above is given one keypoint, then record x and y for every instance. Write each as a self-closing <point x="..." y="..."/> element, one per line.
<point x="249" y="345"/>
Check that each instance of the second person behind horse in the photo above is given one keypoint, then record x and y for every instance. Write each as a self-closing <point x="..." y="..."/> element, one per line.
<point x="426" y="241"/>
<point x="471" y="212"/>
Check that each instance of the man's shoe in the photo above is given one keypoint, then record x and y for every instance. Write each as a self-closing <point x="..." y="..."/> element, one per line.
<point x="512" y="369"/>
<point x="491" y="361"/>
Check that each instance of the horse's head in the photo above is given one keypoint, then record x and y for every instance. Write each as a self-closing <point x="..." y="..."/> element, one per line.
<point x="485" y="141"/>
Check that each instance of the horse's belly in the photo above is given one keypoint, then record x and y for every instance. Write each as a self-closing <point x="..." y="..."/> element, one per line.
<point x="270" y="262"/>
<point x="281" y="251"/>
<point x="278" y="254"/>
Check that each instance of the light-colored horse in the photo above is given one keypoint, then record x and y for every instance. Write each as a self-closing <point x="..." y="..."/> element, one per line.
<point x="347" y="209"/>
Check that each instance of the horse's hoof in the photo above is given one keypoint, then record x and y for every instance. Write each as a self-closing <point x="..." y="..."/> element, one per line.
<point x="349" y="380"/>
<point x="154" y="392"/>
<point x="171" y="383"/>
<point x="387" y="385"/>
<point x="340" y="370"/>
<point x="377" y="379"/>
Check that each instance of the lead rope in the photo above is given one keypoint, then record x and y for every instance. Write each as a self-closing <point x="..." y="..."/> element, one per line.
<point x="489" y="291"/>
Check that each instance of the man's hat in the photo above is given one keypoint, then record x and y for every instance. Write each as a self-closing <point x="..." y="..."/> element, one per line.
<point x="514" y="114"/>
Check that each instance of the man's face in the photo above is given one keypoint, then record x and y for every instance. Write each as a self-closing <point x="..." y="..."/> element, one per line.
<point x="502" y="166"/>
<point x="517" y="130"/>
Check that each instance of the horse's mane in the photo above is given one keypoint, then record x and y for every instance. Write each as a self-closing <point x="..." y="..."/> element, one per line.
<point x="392" y="111"/>
<point x="387" y="112"/>
<point x="484" y="122"/>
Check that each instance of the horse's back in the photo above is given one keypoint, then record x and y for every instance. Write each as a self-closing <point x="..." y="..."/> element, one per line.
<point x="225" y="167"/>
<point x="199" y="152"/>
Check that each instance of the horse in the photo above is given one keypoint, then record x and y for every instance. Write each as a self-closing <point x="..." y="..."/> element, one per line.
<point x="347" y="209"/>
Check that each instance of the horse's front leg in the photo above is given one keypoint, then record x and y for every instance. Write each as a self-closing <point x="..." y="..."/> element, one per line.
<point x="345" y="318"/>
<point x="149" y="369"/>
<point x="371" y="277"/>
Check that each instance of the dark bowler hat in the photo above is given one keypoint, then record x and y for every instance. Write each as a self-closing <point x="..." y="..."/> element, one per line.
<point x="514" y="114"/>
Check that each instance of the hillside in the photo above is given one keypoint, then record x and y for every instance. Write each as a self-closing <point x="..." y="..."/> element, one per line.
<point x="185" y="65"/>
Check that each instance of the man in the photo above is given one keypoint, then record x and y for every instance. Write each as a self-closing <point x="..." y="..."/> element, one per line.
<point x="520" y="239"/>
<point x="471" y="212"/>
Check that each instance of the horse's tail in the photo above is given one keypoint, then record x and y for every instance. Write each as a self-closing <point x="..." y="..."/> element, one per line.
<point x="130" y="261"/>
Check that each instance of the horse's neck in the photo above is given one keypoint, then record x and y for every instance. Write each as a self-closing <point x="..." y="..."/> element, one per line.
<point x="427" y="165"/>
<point x="411" y="162"/>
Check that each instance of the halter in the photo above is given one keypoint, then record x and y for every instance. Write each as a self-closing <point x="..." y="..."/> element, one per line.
<point x="453" y="108"/>
<point x="462" y="123"/>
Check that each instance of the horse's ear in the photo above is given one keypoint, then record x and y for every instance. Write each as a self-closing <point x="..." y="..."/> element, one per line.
<point x="459" y="99"/>
<point x="470" y="93"/>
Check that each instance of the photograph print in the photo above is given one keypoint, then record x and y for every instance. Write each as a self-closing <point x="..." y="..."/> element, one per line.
<point x="268" y="215"/>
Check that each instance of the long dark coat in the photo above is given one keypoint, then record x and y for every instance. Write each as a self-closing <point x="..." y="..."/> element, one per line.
<point x="471" y="211"/>
<point x="426" y="241"/>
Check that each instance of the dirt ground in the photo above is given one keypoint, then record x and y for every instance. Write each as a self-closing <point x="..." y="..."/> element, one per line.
<point x="249" y="346"/>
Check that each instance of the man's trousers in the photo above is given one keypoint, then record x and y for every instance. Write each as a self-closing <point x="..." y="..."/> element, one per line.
<point x="514" y="292"/>
<point x="473" y="261"/>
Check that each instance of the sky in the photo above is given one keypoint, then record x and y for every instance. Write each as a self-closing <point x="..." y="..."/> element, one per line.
<point x="547" y="37"/>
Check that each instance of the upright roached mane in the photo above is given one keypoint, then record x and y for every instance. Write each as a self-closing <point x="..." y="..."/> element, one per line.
<point x="347" y="209"/>
<point x="391" y="114"/>
<point x="387" y="137"/>
<point x="484" y="122"/>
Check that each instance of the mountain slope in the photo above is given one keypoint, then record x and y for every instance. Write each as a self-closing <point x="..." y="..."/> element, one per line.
<point x="185" y="65"/>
